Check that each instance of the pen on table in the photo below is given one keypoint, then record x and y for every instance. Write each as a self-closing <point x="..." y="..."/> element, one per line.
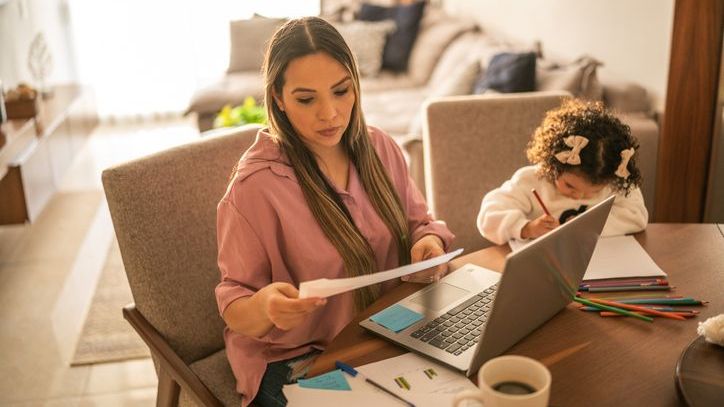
<point x="353" y="372"/>
<point x="540" y="201"/>
<point x="614" y="309"/>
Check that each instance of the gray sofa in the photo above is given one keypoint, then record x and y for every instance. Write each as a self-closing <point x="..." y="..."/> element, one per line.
<point x="448" y="55"/>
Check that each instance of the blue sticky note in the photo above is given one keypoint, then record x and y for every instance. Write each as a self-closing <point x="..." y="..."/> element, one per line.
<point x="396" y="318"/>
<point x="333" y="380"/>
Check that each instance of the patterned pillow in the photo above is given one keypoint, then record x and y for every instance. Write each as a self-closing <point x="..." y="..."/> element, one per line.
<point x="367" y="41"/>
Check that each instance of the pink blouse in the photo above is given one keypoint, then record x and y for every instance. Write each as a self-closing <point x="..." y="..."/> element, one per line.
<point x="266" y="233"/>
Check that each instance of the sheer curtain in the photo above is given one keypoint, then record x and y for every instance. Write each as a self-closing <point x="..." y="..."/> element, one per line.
<point x="146" y="57"/>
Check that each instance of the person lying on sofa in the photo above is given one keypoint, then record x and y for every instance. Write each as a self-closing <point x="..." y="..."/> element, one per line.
<point x="318" y="195"/>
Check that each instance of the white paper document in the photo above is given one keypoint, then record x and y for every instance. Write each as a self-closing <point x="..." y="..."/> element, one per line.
<point x="325" y="287"/>
<point x="614" y="257"/>
<point x="621" y="257"/>
<point x="412" y="377"/>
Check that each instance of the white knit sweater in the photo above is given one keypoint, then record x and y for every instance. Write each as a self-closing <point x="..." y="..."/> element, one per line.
<point x="505" y="210"/>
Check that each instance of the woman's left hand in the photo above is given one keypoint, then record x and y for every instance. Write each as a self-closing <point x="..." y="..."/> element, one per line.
<point x="427" y="247"/>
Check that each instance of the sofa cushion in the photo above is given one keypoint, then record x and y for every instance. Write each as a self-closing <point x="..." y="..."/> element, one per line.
<point x="386" y="81"/>
<point x="233" y="88"/>
<point x="399" y="43"/>
<point x="248" y="40"/>
<point x="367" y="40"/>
<point x="394" y="110"/>
<point x="508" y="73"/>
<point x="215" y="372"/>
<point x="466" y="47"/>
<point x="459" y="82"/>
<point x="578" y="77"/>
<point x="437" y="31"/>
<point x="626" y="97"/>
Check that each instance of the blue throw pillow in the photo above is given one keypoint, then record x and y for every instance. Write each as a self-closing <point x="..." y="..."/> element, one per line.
<point x="399" y="44"/>
<point x="508" y="73"/>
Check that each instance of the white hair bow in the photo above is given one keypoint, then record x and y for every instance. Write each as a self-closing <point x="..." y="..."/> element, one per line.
<point x="572" y="156"/>
<point x="626" y="155"/>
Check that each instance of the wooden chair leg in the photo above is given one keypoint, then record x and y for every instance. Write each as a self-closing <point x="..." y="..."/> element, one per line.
<point x="168" y="390"/>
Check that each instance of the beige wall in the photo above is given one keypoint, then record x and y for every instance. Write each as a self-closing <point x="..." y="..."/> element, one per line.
<point x="631" y="37"/>
<point x="20" y="21"/>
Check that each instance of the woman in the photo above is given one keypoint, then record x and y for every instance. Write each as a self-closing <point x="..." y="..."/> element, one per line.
<point x="318" y="195"/>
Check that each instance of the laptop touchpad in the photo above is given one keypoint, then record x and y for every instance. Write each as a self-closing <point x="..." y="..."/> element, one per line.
<point x="439" y="296"/>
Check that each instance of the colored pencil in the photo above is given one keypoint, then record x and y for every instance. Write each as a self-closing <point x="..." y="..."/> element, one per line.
<point x="665" y="301"/>
<point x="639" y="296"/>
<point x="627" y="288"/>
<point x="662" y="309"/>
<point x="540" y="201"/>
<point x="637" y="308"/>
<point x="614" y="309"/>
<point x="613" y="314"/>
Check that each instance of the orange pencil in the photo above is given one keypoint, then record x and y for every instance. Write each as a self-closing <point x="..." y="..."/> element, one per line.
<point x="613" y="314"/>
<point x="642" y="310"/>
<point x="540" y="201"/>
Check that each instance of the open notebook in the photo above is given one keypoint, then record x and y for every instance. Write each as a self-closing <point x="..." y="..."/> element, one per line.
<point x="614" y="257"/>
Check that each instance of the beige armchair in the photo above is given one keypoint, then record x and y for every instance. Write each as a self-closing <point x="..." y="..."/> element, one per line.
<point x="471" y="145"/>
<point x="164" y="213"/>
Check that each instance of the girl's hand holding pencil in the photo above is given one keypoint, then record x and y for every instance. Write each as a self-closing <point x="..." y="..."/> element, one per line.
<point x="541" y="225"/>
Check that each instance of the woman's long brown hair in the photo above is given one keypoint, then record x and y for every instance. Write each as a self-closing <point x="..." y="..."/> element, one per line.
<point x="311" y="35"/>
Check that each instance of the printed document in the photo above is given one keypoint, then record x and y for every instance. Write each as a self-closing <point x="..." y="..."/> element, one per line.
<point x="325" y="287"/>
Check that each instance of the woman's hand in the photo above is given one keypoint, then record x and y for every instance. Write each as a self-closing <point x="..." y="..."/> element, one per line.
<point x="539" y="227"/>
<point x="427" y="247"/>
<point x="283" y="307"/>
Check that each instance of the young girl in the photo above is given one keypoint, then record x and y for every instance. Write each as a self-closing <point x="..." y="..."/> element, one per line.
<point x="582" y="155"/>
<point x="318" y="195"/>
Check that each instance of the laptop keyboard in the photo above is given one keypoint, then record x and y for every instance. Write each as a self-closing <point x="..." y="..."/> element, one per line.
<point x="458" y="329"/>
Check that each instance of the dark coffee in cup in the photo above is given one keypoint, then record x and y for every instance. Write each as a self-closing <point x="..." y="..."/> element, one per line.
<point x="512" y="387"/>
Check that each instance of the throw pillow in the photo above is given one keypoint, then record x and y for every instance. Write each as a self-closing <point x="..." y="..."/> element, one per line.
<point x="579" y="78"/>
<point x="437" y="32"/>
<point x="367" y="41"/>
<point x="459" y="82"/>
<point x="399" y="44"/>
<point x="508" y="73"/>
<point x="248" y="42"/>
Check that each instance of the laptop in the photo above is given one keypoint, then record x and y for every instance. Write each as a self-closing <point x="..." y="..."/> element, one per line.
<point x="474" y="314"/>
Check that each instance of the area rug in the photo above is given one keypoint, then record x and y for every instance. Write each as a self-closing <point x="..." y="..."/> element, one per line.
<point x="106" y="336"/>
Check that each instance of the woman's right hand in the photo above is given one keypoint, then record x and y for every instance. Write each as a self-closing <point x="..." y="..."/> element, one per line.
<point x="539" y="227"/>
<point x="283" y="307"/>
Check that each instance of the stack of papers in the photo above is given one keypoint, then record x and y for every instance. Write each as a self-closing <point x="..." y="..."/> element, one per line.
<point x="614" y="257"/>
<point x="414" y="378"/>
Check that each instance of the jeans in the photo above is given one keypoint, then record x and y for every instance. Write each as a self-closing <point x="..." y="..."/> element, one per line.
<point x="276" y="376"/>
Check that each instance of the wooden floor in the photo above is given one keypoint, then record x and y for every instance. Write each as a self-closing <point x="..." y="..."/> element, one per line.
<point x="48" y="273"/>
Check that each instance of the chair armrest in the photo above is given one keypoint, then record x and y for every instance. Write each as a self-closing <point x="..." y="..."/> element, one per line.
<point x="169" y="360"/>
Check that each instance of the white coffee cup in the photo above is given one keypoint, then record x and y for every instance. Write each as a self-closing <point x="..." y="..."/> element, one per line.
<point x="514" y="373"/>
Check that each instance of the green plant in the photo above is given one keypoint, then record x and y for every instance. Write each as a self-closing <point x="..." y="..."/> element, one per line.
<point x="247" y="112"/>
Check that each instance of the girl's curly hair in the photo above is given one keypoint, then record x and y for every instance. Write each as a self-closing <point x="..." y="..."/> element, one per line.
<point x="600" y="158"/>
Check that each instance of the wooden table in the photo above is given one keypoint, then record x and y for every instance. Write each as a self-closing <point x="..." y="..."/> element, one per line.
<point x="593" y="360"/>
